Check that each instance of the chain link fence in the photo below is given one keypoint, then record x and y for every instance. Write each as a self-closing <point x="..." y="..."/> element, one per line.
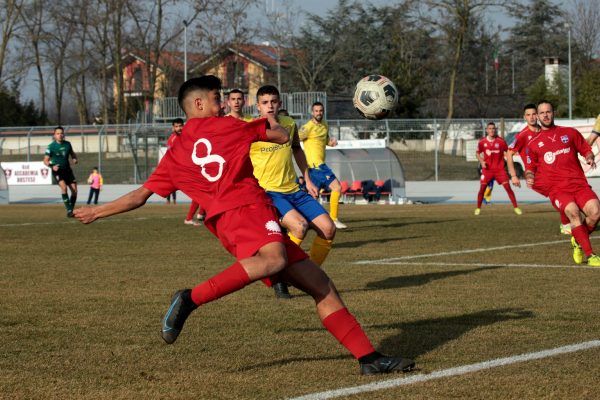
<point x="127" y="154"/>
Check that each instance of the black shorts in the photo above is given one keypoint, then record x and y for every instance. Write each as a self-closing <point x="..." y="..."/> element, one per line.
<point x="64" y="175"/>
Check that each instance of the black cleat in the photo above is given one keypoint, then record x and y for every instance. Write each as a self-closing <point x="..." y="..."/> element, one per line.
<point x="281" y="290"/>
<point x="385" y="364"/>
<point x="70" y="214"/>
<point x="176" y="315"/>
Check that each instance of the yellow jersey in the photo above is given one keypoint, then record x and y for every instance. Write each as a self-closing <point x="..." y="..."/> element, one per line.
<point x="245" y="117"/>
<point x="272" y="162"/>
<point x="596" y="128"/>
<point x="315" y="137"/>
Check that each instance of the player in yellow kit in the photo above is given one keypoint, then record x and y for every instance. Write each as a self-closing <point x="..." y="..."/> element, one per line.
<point x="235" y="102"/>
<point x="315" y="135"/>
<point x="274" y="169"/>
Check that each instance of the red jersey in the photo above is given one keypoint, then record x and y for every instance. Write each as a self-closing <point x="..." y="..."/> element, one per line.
<point x="493" y="152"/>
<point x="210" y="163"/>
<point x="552" y="157"/>
<point x="171" y="139"/>
<point x="519" y="143"/>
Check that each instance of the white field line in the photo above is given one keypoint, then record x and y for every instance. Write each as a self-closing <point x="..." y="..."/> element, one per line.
<point x="459" y="264"/>
<point x="446" y="373"/>
<point x="449" y="253"/>
<point x="74" y="220"/>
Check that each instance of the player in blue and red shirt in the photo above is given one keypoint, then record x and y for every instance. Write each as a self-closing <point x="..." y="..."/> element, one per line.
<point x="490" y="154"/>
<point x="553" y="165"/>
<point x="210" y="163"/>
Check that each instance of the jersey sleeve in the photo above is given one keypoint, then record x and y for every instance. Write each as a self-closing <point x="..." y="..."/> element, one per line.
<point x="294" y="136"/>
<point x="580" y="144"/>
<point x="303" y="132"/>
<point x="531" y="159"/>
<point x="48" y="151"/>
<point x="257" y="130"/>
<point x="160" y="180"/>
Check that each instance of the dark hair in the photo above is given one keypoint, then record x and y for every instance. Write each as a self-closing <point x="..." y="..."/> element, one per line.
<point x="205" y="83"/>
<point x="528" y="106"/>
<point x="95" y="168"/>
<point x="177" y="121"/>
<point x="236" y="91"/>
<point x="59" y="127"/>
<point x="545" y="102"/>
<point x="316" y="103"/>
<point x="283" y="111"/>
<point x="267" y="89"/>
<point x="490" y="123"/>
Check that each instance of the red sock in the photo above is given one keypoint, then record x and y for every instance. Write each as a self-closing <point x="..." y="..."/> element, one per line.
<point x="227" y="281"/>
<point x="480" y="194"/>
<point x="591" y="228"/>
<point x="582" y="236"/>
<point x="344" y="327"/>
<point x="511" y="194"/>
<point x="192" y="211"/>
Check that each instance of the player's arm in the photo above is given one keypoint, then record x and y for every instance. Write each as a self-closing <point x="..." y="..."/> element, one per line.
<point x="480" y="159"/>
<point x="128" y="202"/>
<point x="275" y="132"/>
<point x="332" y="142"/>
<point x="508" y="155"/>
<point x="300" y="158"/>
<point x="73" y="156"/>
<point x="530" y="167"/>
<point x="585" y="149"/>
<point x="592" y="138"/>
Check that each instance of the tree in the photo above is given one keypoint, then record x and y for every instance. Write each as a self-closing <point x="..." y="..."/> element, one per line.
<point x="583" y="21"/>
<point x="9" y="18"/>
<point x="13" y="113"/>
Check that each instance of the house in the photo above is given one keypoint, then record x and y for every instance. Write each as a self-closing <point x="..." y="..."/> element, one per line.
<point x="244" y="66"/>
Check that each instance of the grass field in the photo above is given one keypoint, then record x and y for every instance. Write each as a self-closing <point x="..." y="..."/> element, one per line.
<point x="82" y="305"/>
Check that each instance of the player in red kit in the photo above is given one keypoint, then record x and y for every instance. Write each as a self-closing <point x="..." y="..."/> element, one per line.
<point x="210" y="163"/>
<point x="553" y="165"/>
<point x="519" y="146"/>
<point x="493" y="149"/>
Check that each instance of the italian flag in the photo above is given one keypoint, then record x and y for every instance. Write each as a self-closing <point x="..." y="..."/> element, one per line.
<point x="496" y="60"/>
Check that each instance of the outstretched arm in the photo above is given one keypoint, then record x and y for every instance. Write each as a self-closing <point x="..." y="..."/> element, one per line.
<point x="511" y="168"/>
<point x="128" y="202"/>
<point x="276" y="133"/>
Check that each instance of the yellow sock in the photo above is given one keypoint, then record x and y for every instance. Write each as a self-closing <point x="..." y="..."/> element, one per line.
<point x="295" y="239"/>
<point x="334" y="201"/>
<point x="320" y="249"/>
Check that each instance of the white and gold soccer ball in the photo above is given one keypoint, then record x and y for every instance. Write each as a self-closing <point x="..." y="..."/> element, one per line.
<point x="375" y="96"/>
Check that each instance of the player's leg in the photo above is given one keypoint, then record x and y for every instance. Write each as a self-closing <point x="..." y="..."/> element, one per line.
<point x="336" y="318"/>
<point x="65" y="196"/>
<point x="89" y="201"/>
<point x="72" y="184"/>
<point x="502" y="178"/>
<point x="252" y="235"/>
<point x="483" y="182"/>
<point x="591" y="209"/>
<point x="295" y="224"/>
<point x="487" y="195"/>
<point x="320" y="221"/>
<point x="189" y="218"/>
<point x="96" y="194"/>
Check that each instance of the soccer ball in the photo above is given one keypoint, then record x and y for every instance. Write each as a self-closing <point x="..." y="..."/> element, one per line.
<point x="375" y="96"/>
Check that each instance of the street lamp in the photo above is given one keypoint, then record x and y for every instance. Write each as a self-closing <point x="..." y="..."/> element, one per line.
<point x="568" y="26"/>
<point x="185" y="25"/>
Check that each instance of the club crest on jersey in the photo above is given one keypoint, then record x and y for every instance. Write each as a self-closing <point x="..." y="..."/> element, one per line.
<point x="273" y="227"/>
<point x="496" y="145"/>
<point x="540" y="144"/>
<point x="564" y="139"/>
<point x="209" y="159"/>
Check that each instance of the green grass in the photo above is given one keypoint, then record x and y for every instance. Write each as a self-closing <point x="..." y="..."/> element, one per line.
<point x="82" y="305"/>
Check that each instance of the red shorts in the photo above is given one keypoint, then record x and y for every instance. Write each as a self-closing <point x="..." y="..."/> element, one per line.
<point x="499" y="174"/>
<point x="244" y="230"/>
<point x="579" y="196"/>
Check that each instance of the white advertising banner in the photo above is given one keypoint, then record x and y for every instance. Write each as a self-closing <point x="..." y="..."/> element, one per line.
<point x="27" y="173"/>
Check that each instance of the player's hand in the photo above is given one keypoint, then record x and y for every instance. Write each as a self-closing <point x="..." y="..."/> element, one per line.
<point x="85" y="215"/>
<point x="312" y="189"/>
<point x="75" y="161"/>
<point x="591" y="162"/>
<point x="332" y="142"/>
<point x="515" y="181"/>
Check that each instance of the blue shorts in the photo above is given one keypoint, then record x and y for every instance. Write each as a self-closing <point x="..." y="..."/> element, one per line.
<point x="321" y="176"/>
<point x="299" y="201"/>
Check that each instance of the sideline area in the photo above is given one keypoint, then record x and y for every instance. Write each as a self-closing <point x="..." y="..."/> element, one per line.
<point x="417" y="191"/>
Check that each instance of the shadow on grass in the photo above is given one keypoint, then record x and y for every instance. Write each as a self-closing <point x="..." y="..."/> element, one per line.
<point x="360" y="243"/>
<point x="417" y="337"/>
<point x="396" y="282"/>
<point x="390" y="224"/>
<point x="420" y="337"/>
